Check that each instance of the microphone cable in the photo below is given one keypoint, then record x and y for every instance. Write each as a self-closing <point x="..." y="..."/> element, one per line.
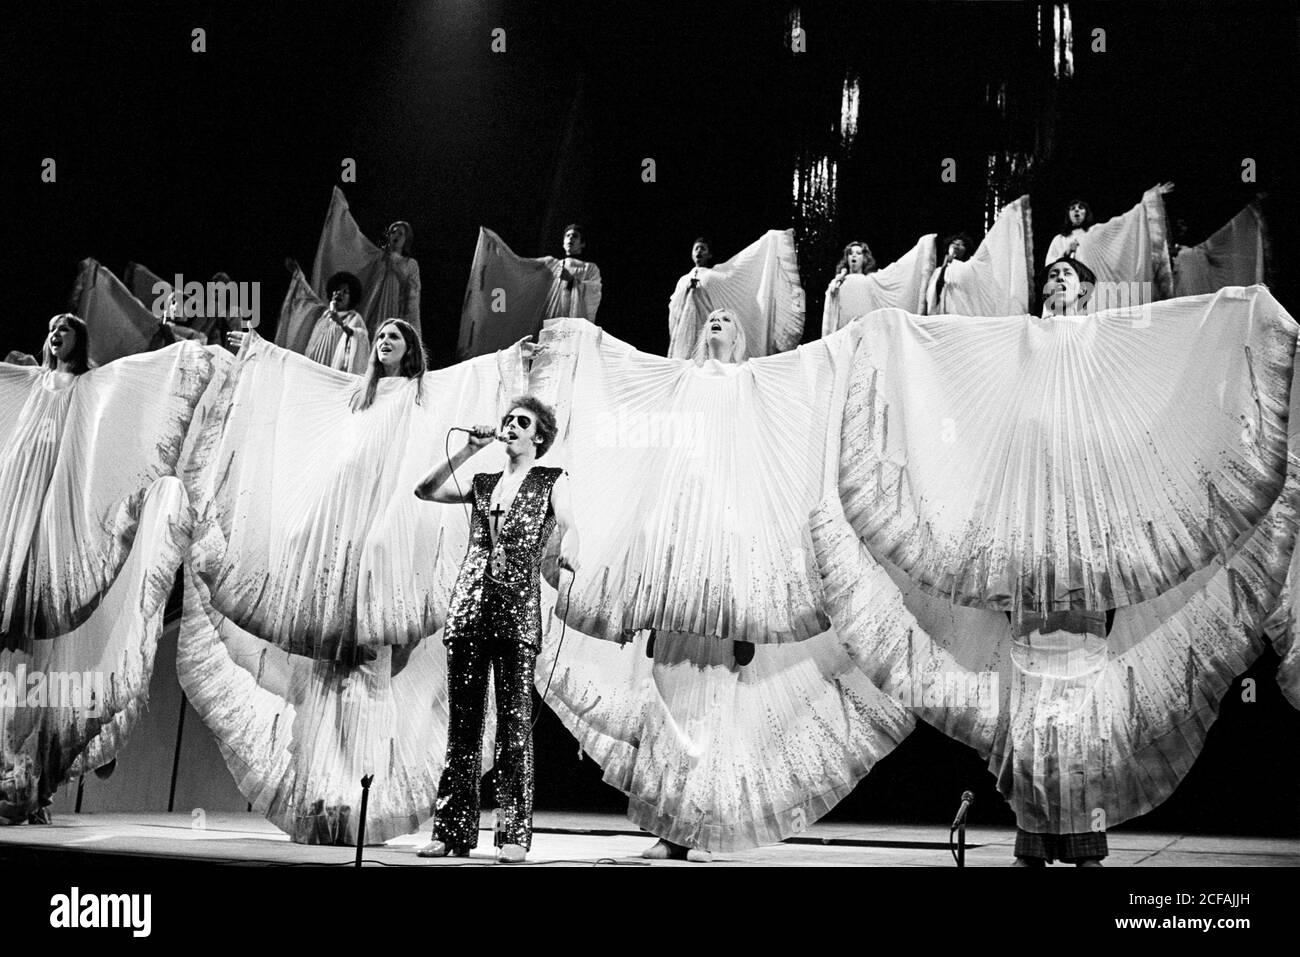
<point x="564" y="623"/>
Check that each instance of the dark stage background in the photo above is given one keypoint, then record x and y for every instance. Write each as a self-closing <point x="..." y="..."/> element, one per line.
<point x="191" y="163"/>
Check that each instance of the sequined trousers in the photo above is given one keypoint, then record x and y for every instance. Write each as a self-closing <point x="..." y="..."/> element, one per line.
<point x="489" y="645"/>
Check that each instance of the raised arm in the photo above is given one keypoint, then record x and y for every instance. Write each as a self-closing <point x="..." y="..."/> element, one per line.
<point x="562" y="505"/>
<point x="411" y="305"/>
<point x="434" y="486"/>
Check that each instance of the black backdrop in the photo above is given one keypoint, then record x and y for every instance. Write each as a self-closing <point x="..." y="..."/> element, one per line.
<point x="193" y="162"/>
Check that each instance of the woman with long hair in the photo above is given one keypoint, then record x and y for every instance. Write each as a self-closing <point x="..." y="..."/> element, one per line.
<point x="394" y="290"/>
<point x="859" y="287"/>
<point x="91" y="528"/>
<point x="1078" y="220"/>
<point x="1129" y="252"/>
<point x="319" y="583"/>
<point x="735" y="719"/>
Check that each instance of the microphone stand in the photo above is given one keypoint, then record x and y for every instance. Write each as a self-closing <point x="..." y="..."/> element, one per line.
<point x="959" y="827"/>
<point x="361" y="824"/>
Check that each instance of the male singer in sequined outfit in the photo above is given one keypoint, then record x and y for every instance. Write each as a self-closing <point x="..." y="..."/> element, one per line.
<point x="494" y="623"/>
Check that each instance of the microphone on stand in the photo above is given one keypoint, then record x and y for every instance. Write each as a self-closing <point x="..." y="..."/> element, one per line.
<point x="361" y="824"/>
<point x="959" y="826"/>
<point x="967" y="799"/>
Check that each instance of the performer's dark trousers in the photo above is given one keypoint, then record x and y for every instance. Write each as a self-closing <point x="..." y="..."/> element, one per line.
<point x="493" y="645"/>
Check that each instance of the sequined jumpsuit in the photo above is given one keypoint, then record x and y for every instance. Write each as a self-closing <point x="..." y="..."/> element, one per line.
<point x="495" y="622"/>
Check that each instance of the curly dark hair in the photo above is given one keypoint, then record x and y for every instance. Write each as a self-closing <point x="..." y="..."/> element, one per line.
<point x="966" y="241"/>
<point x="350" y="282"/>
<point x="545" y="415"/>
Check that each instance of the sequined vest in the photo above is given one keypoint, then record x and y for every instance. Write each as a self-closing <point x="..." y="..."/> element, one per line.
<point x="521" y="539"/>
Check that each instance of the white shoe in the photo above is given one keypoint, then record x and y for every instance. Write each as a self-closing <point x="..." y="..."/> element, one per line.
<point x="511" y="854"/>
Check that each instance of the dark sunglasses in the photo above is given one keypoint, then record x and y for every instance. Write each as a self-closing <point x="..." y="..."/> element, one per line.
<point x="523" y="420"/>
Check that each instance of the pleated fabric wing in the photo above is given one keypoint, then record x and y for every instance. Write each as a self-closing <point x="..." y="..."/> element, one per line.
<point x="79" y="456"/>
<point x="343" y="248"/>
<point x="692" y="483"/>
<point x="1130" y="255"/>
<point x="1235" y="255"/>
<point x="1283" y="629"/>
<point x="1081" y="732"/>
<point x="995" y="281"/>
<point x="118" y="324"/>
<point x="298" y="313"/>
<point x="715" y="755"/>
<point x="1099" y="460"/>
<point x="900" y="285"/>
<point x="68" y="702"/>
<point x="309" y="534"/>
<point x="760" y="284"/>
<point x="505" y="298"/>
<point x="298" y="734"/>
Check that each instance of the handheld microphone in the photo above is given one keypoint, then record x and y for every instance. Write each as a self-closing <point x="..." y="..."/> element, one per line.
<point x="967" y="799"/>
<point x="474" y="431"/>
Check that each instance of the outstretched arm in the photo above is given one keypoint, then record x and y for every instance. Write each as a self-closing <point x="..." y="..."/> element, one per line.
<point x="562" y="505"/>
<point x="433" y="487"/>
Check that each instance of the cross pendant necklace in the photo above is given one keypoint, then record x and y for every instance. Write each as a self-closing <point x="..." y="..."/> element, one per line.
<point x="496" y="513"/>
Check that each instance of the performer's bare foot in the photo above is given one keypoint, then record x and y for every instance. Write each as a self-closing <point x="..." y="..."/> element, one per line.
<point x="511" y="854"/>
<point x="698" y="855"/>
<point x="437" y="848"/>
<point x="1088" y="862"/>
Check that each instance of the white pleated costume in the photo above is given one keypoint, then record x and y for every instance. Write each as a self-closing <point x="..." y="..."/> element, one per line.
<point x="318" y="583"/>
<point x="1128" y="253"/>
<point x="693" y="485"/>
<point x="996" y="279"/>
<point x="760" y="285"/>
<point x="93" y="526"/>
<point x="1142" y="460"/>
<point x="900" y="285"/>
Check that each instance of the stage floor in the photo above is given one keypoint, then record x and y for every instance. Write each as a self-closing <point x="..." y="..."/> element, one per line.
<point x="581" y="839"/>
